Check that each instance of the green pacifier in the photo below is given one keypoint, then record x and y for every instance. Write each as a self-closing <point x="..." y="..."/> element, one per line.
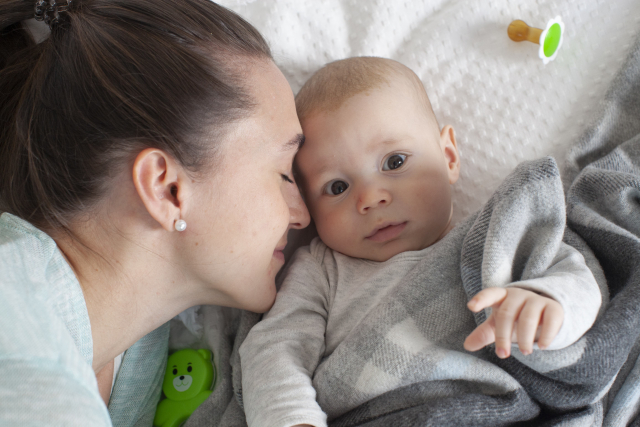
<point x="549" y="39"/>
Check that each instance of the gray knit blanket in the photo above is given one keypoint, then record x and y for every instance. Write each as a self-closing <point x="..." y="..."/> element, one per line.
<point x="595" y="381"/>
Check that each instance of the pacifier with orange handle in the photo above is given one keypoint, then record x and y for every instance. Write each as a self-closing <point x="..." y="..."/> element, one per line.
<point x="549" y="39"/>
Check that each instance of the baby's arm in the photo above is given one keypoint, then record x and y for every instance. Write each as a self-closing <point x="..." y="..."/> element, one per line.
<point x="563" y="303"/>
<point x="281" y="352"/>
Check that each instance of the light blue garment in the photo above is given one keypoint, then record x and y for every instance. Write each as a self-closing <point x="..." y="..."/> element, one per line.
<point x="46" y="349"/>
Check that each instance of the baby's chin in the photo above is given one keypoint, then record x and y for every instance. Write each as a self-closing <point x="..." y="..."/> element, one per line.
<point x="373" y="252"/>
<point x="380" y="252"/>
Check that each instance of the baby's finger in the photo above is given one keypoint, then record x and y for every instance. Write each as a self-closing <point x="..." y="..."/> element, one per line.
<point x="552" y="319"/>
<point x="528" y="322"/>
<point x="481" y="336"/>
<point x="506" y="315"/>
<point x="486" y="298"/>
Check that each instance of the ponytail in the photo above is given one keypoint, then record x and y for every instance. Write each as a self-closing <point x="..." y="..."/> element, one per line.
<point x="18" y="57"/>
<point x="14" y="38"/>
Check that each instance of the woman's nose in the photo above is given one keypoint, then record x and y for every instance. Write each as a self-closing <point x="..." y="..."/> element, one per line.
<point x="299" y="214"/>
<point x="372" y="197"/>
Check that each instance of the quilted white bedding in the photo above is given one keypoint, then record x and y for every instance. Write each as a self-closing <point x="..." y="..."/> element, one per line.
<point x="505" y="105"/>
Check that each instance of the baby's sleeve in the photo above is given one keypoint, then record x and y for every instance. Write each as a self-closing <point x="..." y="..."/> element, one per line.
<point x="570" y="282"/>
<point x="281" y="353"/>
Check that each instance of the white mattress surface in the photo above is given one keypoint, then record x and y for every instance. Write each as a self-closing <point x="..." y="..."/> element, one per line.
<point x="505" y="105"/>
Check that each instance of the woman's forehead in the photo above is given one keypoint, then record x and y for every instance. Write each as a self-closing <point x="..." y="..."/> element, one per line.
<point x="272" y="125"/>
<point x="275" y="107"/>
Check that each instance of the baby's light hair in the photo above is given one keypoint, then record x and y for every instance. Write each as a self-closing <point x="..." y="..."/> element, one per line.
<point x="338" y="81"/>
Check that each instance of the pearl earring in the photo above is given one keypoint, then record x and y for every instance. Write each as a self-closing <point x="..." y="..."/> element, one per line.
<point x="181" y="225"/>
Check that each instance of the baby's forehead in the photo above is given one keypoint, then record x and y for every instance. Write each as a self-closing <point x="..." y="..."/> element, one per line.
<point x="332" y="85"/>
<point x="368" y="113"/>
<point x="395" y="85"/>
<point x="334" y="141"/>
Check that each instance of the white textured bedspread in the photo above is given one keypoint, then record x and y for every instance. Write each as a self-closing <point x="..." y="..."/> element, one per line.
<point x="505" y="105"/>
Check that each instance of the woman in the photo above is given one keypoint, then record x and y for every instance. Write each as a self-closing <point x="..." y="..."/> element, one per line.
<point x="146" y="150"/>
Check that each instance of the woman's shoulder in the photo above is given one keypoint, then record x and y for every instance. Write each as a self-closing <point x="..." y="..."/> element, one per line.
<point x="31" y="263"/>
<point x="40" y="296"/>
<point x="25" y="251"/>
<point x="45" y="334"/>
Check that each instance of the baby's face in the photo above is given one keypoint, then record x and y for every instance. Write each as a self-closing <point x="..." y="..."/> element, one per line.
<point x="376" y="174"/>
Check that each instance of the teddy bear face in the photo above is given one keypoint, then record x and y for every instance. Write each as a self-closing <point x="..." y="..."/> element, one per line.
<point x="188" y="373"/>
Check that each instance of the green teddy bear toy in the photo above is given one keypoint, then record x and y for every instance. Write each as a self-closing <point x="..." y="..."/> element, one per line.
<point x="187" y="383"/>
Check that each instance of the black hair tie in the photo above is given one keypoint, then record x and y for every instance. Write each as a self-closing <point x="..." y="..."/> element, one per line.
<point x="50" y="11"/>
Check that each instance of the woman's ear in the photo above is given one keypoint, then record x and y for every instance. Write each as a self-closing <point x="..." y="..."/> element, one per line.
<point x="156" y="177"/>
<point x="450" y="151"/>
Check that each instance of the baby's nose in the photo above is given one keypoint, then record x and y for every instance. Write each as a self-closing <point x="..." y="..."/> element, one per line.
<point x="373" y="198"/>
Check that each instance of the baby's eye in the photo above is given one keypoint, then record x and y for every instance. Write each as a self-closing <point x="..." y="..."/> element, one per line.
<point x="394" y="161"/>
<point x="336" y="187"/>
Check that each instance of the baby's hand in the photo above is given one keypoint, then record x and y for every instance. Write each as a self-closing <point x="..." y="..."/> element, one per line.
<point x="511" y="305"/>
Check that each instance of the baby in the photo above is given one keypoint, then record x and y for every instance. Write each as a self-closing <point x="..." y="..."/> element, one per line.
<point x="376" y="173"/>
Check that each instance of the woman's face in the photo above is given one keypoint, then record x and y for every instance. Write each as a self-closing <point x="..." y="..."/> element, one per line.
<point x="238" y="226"/>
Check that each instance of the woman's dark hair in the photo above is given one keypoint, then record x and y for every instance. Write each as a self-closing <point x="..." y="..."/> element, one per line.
<point x="113" y="78"/>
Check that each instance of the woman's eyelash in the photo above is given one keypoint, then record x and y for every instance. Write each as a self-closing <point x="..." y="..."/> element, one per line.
<point x="286" y="178"/>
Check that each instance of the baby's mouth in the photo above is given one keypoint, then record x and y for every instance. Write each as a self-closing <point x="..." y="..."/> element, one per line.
<point x="387" y="231"/>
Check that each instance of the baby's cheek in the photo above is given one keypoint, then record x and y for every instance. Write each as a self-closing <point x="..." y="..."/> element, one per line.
<point x="334" y="228"/>
<point x="432" y="196"/>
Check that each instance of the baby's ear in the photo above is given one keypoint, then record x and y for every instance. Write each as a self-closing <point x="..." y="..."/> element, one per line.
<point x="450" y="150"/>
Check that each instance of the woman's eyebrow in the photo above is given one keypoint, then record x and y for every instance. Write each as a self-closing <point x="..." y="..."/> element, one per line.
<point x="294" y="143"/>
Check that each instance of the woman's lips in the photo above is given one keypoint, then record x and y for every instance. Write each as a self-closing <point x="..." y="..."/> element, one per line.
<point x="387" y="232"/>
<point x="278" y="253"/>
